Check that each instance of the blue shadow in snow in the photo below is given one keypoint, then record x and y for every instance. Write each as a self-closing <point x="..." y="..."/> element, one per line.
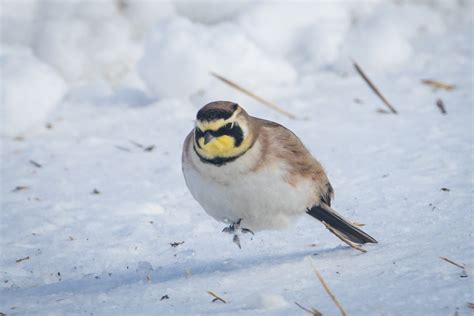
<point x="172" y="271"/>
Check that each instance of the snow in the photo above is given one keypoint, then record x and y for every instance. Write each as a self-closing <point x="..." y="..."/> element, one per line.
<point x="85" y="46"/>
<point x="272" y="301"/>
<point x="310" y="33"/>
<point x="30" y="90"/>
<point x="382" y="43"/>
<point x="17" y="22"/>
<point x="106" y="222"/>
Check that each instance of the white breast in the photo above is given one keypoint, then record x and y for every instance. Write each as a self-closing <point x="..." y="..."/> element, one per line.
<point x="263" y="199"/>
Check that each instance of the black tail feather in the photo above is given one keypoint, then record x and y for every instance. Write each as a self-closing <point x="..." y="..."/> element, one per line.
<point x="326" y="214"/>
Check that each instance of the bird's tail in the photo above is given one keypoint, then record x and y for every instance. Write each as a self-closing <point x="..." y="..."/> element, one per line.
<point x="326" y="214"/>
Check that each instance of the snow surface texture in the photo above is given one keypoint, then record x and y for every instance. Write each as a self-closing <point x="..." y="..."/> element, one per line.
<point x="94" y="209"/>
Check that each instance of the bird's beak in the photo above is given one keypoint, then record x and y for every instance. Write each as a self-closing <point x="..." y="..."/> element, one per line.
<point x="208" y="137"/>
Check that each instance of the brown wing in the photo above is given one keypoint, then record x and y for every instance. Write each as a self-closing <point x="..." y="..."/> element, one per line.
<point x="286" y="145"/>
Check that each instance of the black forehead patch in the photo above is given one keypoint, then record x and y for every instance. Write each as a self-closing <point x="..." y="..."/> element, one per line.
<point x="217" y="110"/>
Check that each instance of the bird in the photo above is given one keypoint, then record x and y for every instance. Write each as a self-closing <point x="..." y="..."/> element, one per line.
<point x="253" y="174"/>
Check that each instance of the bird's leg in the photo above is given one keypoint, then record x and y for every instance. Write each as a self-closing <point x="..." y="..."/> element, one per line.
<point x="236" y="240"/>
<point x="235" y="229"/>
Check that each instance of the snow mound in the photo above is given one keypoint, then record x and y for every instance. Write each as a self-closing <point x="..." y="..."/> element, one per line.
<point x="310" y="35"/>
<point x="83" y="51"/>
<point x="86" y="41"/>
<point x="180" y="54"/>
<point x="381" y="43"/>
<point x="30" y="91"/>
<point x="143" y="15"/>
<point x="385" y="48"/>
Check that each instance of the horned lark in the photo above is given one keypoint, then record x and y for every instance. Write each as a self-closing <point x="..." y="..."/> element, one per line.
<point x="246" y="171"/>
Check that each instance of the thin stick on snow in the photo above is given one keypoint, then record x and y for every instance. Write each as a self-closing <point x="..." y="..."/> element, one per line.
<point x="136" y="143"/>
<point x="36" y="164"/>
<point x="328" y="290"/>
<point x="253" y="95"/>
<point x="344" y="239"/>
<point x="216" y="297"/>
<point x="438" y="84"/>
<point x="373" y="87"/>
<point x="311" y="311"/>
<point x="453" y="263"/>
<point x="440" y="105"/>
<point x="22" y="259"/>
<point x="20" y="188"/>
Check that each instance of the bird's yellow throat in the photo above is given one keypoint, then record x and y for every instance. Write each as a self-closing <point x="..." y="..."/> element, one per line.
<point x="224" y="142"/>
<point x="222" y="146"/>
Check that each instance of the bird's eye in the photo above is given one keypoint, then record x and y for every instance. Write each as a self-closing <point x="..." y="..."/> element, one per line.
<point x="231" y="125"/>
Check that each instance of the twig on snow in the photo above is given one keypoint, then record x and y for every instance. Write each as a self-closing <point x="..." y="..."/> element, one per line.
<point x="145" y="148"/>
<point x="22" y="259"/>
<point x="175" y="244"/>
<point x="36" y="164"/>
<point x="453" y="263"/>
<point x="20" y="188"/>
<point x="136" y="143"/>
<point x="328" y="290"/>
<point x="311" y="311"/>
<point x="253" y="95"/>
<point x="440" y="105"/>
<point x="438" y="84"/>
<point x="216" y="297"/>
<point x="373" y="87"/>
<point x="122" y="148"/>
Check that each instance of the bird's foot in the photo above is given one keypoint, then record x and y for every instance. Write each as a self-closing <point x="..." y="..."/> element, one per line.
<point x="236" y="230"/>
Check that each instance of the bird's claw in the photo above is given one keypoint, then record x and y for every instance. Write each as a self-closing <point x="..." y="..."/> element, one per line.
<point x="236" y="241"/>
<point x="246" y="231"/>
<point x="235" y="229"/>
<point x="228" y="229"/>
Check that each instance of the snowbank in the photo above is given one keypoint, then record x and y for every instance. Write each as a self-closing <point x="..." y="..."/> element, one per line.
<point x="179" y="55"/>
<point x="307" y="33"/>
<point x="384" y="41"/>
<point x="260" y="44"/>
<point x="86" y="41"/>
<point x="30" y="91"/>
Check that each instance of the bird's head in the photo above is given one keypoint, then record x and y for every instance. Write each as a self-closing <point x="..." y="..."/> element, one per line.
<point x="223" y="131"/>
